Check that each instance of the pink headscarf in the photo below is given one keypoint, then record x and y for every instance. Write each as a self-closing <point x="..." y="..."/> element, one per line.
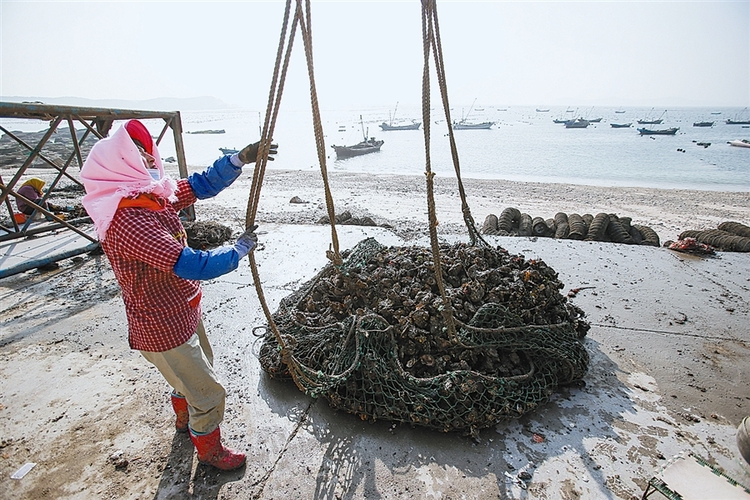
<point x="115" y="170"/>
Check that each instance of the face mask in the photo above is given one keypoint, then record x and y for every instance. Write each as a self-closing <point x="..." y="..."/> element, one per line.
<point x="154" y="173"/>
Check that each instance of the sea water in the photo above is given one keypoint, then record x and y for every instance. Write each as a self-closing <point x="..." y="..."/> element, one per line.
<point x="523" y="145"/>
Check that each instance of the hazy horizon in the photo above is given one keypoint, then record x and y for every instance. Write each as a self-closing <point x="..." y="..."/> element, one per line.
<point x="369" y="54"/>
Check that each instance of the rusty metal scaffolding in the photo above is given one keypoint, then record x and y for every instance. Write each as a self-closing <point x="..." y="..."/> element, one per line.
<point x="96" y="122"/>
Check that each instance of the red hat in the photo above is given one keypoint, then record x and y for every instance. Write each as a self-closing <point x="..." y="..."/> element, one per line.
<point x="139" y="132"/>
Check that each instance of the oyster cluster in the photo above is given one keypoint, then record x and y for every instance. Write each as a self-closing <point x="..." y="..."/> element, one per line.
<point x="399" y="284"/>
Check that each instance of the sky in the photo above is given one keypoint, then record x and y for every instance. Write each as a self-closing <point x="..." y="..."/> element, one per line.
<point x="553" y="53"/>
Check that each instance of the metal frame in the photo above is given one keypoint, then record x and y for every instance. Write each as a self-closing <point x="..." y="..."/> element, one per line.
<point x="97" y="121"/>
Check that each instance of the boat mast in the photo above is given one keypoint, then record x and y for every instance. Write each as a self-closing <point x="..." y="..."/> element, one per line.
<point x="362" y="124"/>
<point x="471" y="107"/>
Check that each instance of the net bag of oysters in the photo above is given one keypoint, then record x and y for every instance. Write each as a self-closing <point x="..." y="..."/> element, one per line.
<point x="374" y="336"/>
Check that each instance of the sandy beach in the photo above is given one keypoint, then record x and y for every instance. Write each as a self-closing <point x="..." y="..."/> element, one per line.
<point x="669" y="348"/>
<point x="400" y="201"/>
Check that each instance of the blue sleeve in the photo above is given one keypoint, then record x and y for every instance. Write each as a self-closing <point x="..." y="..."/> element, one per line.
<point x="209" y="183"/>
<point x="200" y="265"/>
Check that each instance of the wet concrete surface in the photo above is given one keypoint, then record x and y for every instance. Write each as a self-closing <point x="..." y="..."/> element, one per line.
<point x="670" y="362"/>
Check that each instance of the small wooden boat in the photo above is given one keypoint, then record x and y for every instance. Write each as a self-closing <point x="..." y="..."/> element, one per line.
<point x="369" y="145"/>
<point x="620" y="125"/>
<point x="649" y="121"/>
<point x="228" y="151"/>
<point x="595" y="120"/>
<point x="403" y="126"/>
<point x="464" y="125"/>
<point x="703" y="124"/>
<point x="577" y="123"/>
<point x="665" y="131"/>
<point x="741" y="143"/>
<point x="406" y="126"/>
<point x="217" y="131"/>
<point x="739" y="119"/>
<point x="540" y="110"/>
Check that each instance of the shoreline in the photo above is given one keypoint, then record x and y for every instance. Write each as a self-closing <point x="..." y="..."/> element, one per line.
<point x="399" y="201"/>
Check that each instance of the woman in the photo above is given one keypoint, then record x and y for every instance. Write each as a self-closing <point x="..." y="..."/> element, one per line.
<point x="135" y="206"/>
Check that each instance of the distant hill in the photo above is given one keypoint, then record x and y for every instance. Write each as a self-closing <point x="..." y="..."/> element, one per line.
<point x="160" y="104"/>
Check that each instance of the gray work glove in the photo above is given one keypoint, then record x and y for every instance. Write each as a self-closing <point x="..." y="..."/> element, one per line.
<point x="246" y="242"/>
<point x="250" y="152"/>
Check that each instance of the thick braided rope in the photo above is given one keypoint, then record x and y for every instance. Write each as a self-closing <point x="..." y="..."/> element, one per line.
<point x="260" y="165"/>
<point x="427" y="36"/>
<point x="274" y="103"/>
<point x="306" y="28"/>
<point x="437" y="46"/>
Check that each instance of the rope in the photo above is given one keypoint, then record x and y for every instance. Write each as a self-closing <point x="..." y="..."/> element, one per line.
<point x="427" y="37"/>
<point x="302" y="20"/>
<point x="431" y="43"/>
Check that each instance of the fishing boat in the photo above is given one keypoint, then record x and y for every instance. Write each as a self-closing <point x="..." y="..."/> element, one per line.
<point x="741" y="143"/>
<point x="648" y="121"/>
<point x="398" y="126"/>
<point x="620" y="125"/>
<point x="213" y="131"/>
<point x="703" y="124"/>
<point x="739" y="119"/>
<point x="619" y="111"/>
<point x="228" y="151"/>
<point x="577" y="123"/>
<point x="540" y="110"/>
<point x="368" y="145"/>
<point x="405" y="126"/>
<point x="594" y="120"/>
<point x="464" y="125"/>
<point x="664" y="131"/>
<point x="560" y="120"/>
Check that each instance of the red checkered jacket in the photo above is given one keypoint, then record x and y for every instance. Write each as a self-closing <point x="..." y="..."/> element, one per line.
<point x="143" y="244"/>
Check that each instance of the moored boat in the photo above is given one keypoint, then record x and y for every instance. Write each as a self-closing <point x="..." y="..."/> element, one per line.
<point x="739" y="119"/>
<point x="464" y="125"/>
<point x="577" y="123"/>
<point x="406" y="126"/>
<point x="664" y="131"/>
<point x="649" y="121"/>
<point x="369" y="145"/>
<point x="741" y="143"/>
<point x="620" y="125"/>
<point x="393" y="125"/>
<point x="703" y="124"/>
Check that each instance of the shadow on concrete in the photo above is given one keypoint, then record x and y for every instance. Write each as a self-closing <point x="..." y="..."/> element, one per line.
<point x="184" y="477"/>
<point x="586" y="410"/>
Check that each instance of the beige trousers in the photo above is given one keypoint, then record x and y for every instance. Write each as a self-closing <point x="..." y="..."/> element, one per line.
<point x="189" y="369"/>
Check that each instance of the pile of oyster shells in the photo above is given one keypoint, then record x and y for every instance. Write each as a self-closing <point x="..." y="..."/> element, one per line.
<point x="399" y="284"/>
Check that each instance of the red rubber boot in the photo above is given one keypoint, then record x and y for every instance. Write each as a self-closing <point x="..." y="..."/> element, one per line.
<point x="180" y="406"/>
<point x="212" y="452"/>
